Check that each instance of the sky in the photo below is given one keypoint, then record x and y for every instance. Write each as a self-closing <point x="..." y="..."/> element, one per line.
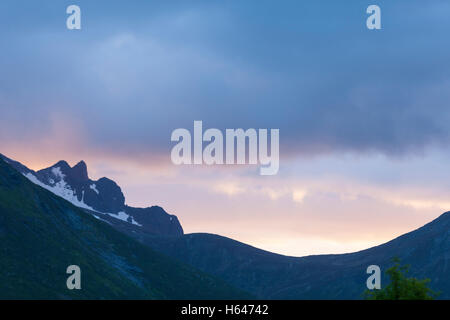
<point x="363" y="114"/>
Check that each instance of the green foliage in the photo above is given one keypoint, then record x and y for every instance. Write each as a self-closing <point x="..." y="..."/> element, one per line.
<point x="401" y="287"/>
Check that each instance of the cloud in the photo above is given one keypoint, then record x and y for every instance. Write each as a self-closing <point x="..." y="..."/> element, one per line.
<point x="329" y="86"/>
<point x="298" y="195"/>
<point x="363" y="116"/>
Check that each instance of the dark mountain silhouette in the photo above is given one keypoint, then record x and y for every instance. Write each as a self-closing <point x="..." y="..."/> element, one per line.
<point x="338" y="276"/>
<point x="41" y="234"/>
<point x="103" y="198"/>
<point x="264" y="274"/>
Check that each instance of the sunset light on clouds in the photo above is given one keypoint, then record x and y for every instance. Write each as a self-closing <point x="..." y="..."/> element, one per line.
<point x="363" y="137"/>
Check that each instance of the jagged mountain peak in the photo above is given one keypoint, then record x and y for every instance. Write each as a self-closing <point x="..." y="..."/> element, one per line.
<point x="61" y="164"/>
<point x="80" y="171"/>
<point x="42" y="230"/>
<point x="103" y="197"/>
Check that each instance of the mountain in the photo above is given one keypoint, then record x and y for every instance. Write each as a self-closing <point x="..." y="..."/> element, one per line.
<point x="103" y="198"/>
<point x="339" y="276"/>
<point x="264" y="274"/>
<point x="41" y="234"/>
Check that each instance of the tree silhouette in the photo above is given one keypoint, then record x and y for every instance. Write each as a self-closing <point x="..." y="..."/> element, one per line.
<point x="401" y="287"/>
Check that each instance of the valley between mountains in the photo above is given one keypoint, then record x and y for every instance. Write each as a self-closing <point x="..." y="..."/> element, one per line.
<point x="58" y="216"/>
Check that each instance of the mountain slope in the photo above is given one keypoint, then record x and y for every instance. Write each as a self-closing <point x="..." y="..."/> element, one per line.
<point x="103" y="198"/>
<point x="264" y="274"/>
<point x="339" y="276"/>
<point x="42" y="234"/>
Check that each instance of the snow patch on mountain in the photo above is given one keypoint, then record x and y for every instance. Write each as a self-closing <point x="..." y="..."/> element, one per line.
<point x="58" y="173"/>
<point x="98" y="218"/>
<point x="124" y="217"/>
<point x="60" y="189"/>
<point x="94" y="187"/>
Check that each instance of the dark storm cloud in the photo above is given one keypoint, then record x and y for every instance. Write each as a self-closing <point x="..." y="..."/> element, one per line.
<point x="139" y="69"/>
